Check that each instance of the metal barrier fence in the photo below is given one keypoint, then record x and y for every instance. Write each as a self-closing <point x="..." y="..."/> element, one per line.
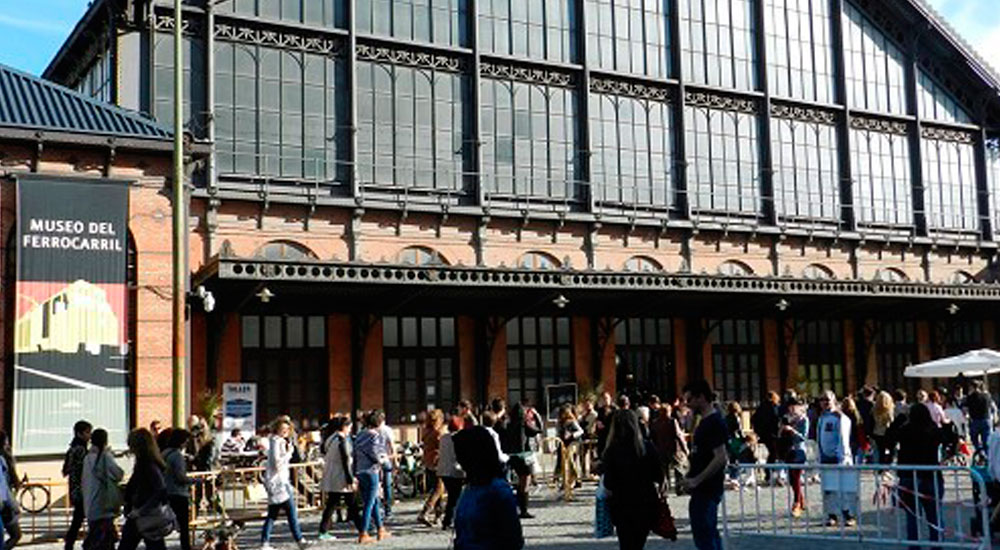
<point x="939" y="506"/>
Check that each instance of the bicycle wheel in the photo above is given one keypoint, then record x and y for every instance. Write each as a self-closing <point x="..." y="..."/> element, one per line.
<point x="405" y="484"/>
<point x="34" y="499"/>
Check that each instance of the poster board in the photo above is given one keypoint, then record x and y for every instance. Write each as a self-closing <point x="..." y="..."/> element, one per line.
<point x="239" y="408"/>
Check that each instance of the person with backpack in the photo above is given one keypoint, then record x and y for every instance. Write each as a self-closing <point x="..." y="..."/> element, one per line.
<point x="72" y="469"/>
<point x="102" y="499"/>
<point x="178" y="482"/>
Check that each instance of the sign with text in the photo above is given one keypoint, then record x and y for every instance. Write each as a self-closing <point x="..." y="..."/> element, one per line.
<point x="71" y="348"/>
<point x="239" y="408"/>
<point x="558" y="395"/>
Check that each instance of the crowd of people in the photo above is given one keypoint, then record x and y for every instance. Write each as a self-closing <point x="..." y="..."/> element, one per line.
<point x="479" y="464"/>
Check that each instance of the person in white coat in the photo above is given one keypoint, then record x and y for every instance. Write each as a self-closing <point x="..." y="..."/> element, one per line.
<point x="833" y="438"/>
<point x="338" y="483"/>
<point x="278" y="483"/>
<point x="102" y="497"/>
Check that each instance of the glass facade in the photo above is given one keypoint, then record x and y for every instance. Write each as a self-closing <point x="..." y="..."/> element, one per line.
<point x="540" y="29"/>
<point x="737" y="359"/>
<point x="644" y="355"/>
<point x="539" y="354"/>
<point x="578" y="108"/>
<point x="629" y="36"/>
<point x="873" y="66"/>
<point x="806" y="170"/>
<point x="820" y="348"/>
<point x="420" y="356"/>
<point x="717" y="43"/>
<point x="632" y="155"/>
<point x="883" y="194"/>
<point x="530" y="139"/>
<point x="724" y="161"/>
<point x="412" y="125"/>
<point x="98" y="81"/>
<point x="800" y="49"/>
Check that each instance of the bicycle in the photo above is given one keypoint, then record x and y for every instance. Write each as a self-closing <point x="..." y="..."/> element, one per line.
<point x="33" y="496"/>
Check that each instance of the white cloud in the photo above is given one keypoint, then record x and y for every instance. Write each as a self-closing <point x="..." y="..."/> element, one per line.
<point x="977" y="22"/>
<point x="35" y="25"/>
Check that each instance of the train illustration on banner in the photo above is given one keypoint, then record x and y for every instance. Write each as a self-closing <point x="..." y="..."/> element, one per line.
<point x="77" y="317"/>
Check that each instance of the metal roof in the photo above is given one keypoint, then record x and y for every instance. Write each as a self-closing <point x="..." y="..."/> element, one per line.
<point x="31" y="103"/>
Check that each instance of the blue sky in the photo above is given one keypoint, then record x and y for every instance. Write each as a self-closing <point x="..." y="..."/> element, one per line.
<point x="30" y="37"/>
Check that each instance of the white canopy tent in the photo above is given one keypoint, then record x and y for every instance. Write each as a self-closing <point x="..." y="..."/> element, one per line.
<point x="980" y="362"/>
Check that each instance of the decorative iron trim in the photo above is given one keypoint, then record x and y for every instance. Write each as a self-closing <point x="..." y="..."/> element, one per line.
<point x="879" y="125"/>
<point x="454" y="276"/>
<point x="423" y="60"/>
<point x="505" y="71"/>
<point x="630" y="89"/>
<point x="721" y="102"/>
<point x="164" y="23"/>
<point x="803" y="114"/>
<point x="947" y="134"/>
<point x="262" y="36"/>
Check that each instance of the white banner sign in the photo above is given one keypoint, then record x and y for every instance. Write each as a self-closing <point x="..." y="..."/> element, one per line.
<point x="239" y="408"/>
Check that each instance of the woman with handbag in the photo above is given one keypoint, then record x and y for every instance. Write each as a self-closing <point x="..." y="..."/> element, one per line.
<point x="632" y="476"/>
<point x="102" y="498"/>
<point x="178" y="482"/>
<point x="148" y="517"/>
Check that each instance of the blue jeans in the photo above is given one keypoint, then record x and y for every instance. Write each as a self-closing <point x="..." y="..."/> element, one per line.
<point x="704" y="512"/>
<point x="979" y="429"/>
<point x="387" y="490"/>
<point x="291" y="511"/>
<point x="368" y="483"/>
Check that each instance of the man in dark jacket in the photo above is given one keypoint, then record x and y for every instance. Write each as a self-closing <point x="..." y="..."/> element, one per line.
<point x="765" y="422"/>
<point x="980" y="407"/>
<point x="73" y="470"/>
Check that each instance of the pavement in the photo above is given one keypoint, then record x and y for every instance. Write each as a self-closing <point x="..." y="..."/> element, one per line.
<point x="562" y="525"/>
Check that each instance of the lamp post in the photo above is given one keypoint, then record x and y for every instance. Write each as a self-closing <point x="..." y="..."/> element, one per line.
<point x="179" y="353"/>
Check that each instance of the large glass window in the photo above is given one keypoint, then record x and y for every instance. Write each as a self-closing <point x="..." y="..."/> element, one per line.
<point x="936" y="103"/>
<point x="993" y="179"/>
<point x="539" y="354"/>
<point x="645" y="357"/>
<point x="821" y="357"/>
<point x="541" y="29"/>
<point x="286" y="356"/>
<point x="957" y="337"/>
<point x="874" y="66"/>
<point x="800" y="49"/>
<point x="530" y="139"/>
<point x="629" y="36"/>
<point x="632" y="150"/>
<point x="724" y="166"/>
<point x="412" y="127"/>
<point x="325" y="13"/>
<point x="437" y="21"/>
<point x="737" y="360"/>
<point x="806" y="173"/>
<point x="895" y="349"/>
<point x="281" y="113"/>
<point x="882" y="185"/>
<point x="717" y="43"/>
<point x="950" y="194"/>
<point x="194" y="88"/>
<point x="98" y="81"/>
<point x="421" y="365"/>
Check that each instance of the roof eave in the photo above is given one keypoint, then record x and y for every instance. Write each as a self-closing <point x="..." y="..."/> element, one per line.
<point x="78" y="30"/>
<point x="9" y="133"/>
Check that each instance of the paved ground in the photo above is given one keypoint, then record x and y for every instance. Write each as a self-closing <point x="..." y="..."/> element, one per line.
<point x="560" y="525"/>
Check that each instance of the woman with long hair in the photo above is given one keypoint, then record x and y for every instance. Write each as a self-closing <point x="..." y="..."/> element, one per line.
<point x="570" y="433"/>
<point x="146" y="489"/>
<point x="369" y="455"/>
<point x="920" y="441"/>
<point x="850" y="409"/>
<point x="448" y="469"/>
<point x="632" y="475"/>
<point x="278" y="483"/>
<point x="178" y="481"/>
<point x="339" y="483"/>
<point x="101" y="496"/>
<point x="433" y="430"/>
<point x="884" y="413"/>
